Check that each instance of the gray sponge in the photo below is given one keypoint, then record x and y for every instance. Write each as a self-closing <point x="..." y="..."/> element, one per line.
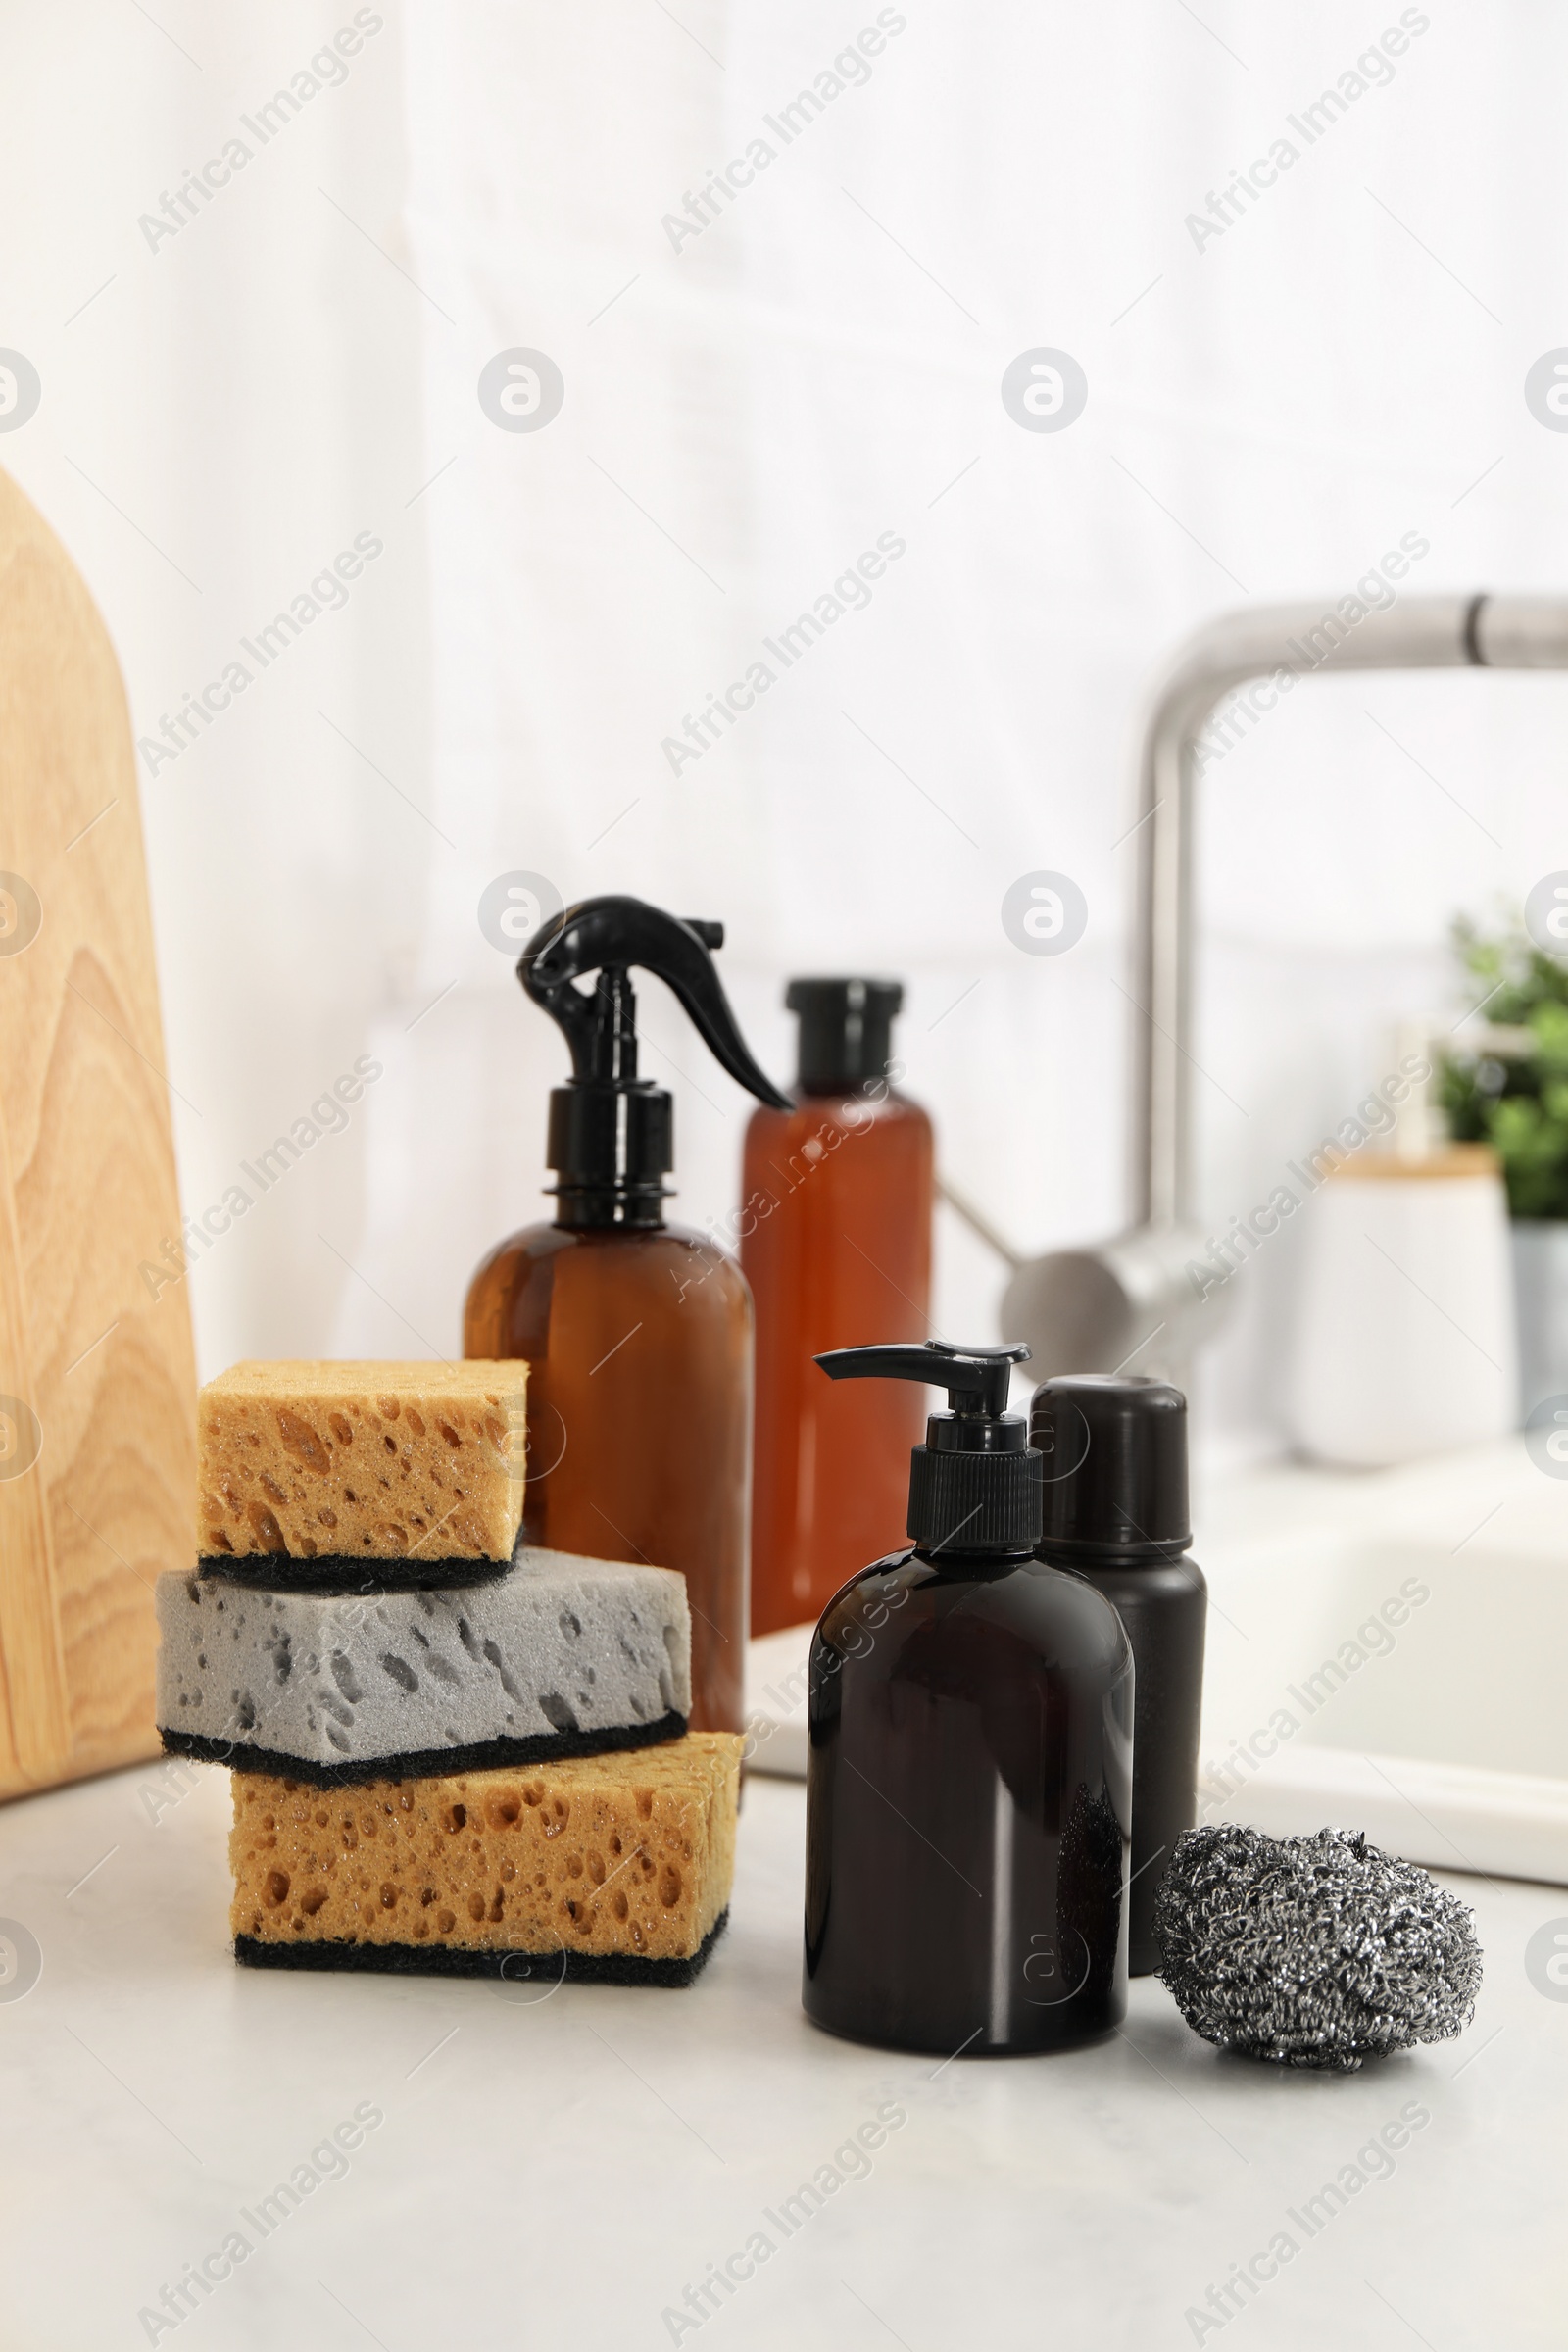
<point x="561" y="1656"/>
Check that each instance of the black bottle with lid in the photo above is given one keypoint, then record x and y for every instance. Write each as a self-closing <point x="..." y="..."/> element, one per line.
<point x="969" y="1775"/>
<point x="1116" y="1513"/>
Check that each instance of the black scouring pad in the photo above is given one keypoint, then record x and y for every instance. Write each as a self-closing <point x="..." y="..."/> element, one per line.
<point x="410" y="1764"/>
<point x="337" y="1572"/>
<point x="1312" y="1951"/>
<point x="539" y="1970"/>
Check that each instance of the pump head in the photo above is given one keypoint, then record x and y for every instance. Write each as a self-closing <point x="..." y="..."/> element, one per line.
<point x="612" y="1133"/>
<point x="975" y="1484"/>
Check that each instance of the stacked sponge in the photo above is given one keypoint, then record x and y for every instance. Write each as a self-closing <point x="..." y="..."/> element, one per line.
<point x="372" y="1647"/>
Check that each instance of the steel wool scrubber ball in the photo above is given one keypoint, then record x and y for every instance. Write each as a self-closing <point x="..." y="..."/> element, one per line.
<point x="1312" y="1951"/>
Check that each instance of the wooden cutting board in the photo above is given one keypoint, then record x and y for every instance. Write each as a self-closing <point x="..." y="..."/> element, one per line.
<point x="97" y="1378"/>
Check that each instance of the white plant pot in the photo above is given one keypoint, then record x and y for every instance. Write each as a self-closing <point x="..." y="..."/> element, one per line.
<point x="1406" y="1344"/>
<point x="1540" y="1305"/>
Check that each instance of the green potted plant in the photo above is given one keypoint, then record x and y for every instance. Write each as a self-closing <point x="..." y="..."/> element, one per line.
<point x="1505" y="1083"/>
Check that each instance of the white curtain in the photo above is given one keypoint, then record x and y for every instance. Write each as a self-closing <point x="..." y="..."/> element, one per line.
<point x="1274" y="399"/>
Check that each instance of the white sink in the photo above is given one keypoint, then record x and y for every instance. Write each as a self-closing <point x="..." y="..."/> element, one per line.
<point x="1457" y="1571"/>
<point x="1386" y="1652"/>
<point x="1396" y="1639"/>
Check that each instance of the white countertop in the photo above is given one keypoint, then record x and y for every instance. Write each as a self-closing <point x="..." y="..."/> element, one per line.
<point x="554" y="2173"/>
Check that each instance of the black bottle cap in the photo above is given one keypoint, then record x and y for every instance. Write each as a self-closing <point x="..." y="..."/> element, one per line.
<point x="846" y="1031"/>
<point x="612" y="1133"/>
<point x="974" y="1485"/>
<point x="1115" y="1467"/>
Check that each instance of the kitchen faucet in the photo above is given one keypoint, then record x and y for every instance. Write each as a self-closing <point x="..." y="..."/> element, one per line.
<point x="1130" y="1303"/>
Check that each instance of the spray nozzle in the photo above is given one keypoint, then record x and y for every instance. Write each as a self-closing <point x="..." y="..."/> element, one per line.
<point x="610" y="1131"/>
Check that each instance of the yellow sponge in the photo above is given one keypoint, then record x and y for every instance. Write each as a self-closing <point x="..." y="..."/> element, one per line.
<point x="616" y="1867"/>
<point x="361" y="1461"/>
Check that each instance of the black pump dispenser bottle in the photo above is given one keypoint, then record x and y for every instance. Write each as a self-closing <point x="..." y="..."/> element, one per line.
<point x="1114" y="1453"/>
<point x="970" y="1777"/>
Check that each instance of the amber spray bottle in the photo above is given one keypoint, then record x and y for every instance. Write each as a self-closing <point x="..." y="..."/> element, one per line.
<point x="969" y="1768"/>
<point x="637" y="1334"/>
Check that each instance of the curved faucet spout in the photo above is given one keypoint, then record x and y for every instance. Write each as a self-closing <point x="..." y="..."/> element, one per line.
<point x="1278" y="644"/>
<point x="1142" y="1301"/>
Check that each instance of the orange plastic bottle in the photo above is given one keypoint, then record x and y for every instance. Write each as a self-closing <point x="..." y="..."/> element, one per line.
<point x="638" y="1335"/>
<point x="836" y="1244"/>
